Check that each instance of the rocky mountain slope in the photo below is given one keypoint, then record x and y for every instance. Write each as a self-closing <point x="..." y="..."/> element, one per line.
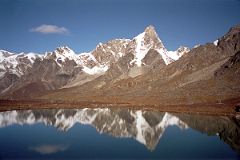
<point x="138" y="71"/>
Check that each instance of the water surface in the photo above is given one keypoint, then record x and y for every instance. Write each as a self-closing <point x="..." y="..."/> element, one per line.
<point x="116" y="133"/>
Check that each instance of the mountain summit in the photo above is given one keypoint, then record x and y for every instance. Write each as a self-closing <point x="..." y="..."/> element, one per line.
<point x="150" y="33"/>
<point x="144" y="42"/>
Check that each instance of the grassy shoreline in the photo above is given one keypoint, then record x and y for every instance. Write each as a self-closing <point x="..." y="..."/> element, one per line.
<point x="224" y="109"/>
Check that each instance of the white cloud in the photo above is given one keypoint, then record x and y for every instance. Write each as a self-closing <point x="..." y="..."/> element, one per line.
<point x="50" y="29"/>
<point x="48" y="149"/>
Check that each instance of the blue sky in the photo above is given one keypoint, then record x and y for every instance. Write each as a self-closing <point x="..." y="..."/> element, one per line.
<point x="43" y="25"/>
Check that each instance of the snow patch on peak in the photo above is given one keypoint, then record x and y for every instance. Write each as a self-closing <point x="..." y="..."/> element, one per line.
<point x="140" y="50"/>
<point x="9" y="62"/>
<point x="32" y="56"/>
<point x="175" y="55"/>
<point x="61" y="54"/>
<point x="215" y="42"/>
<point x="164" y="55"/>
<point x="66" y="52"/>
<point x="146" y="41"/>
<point x="4" y="54"/>
<point x="123" y="39"/>
<point x="99" y="45"/>
<point x="95" y="70"/>
<point x="84" y="58"/>
<point x="87" y="54"/>
<point x="196" y="46"/>
<point x="150" y="40"/>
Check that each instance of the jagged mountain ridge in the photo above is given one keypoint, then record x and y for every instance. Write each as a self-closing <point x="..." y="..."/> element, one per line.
<point x="63" y="68"/>
<point x="191" y="79"/>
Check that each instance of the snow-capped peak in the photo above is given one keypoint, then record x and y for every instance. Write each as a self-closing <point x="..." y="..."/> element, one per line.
<point x="150" y="40"/>
<point x="144" y="42"/>
<point x="10" y="62"/>
<point x="85" y="60"/>
<point x="32" y="56"/>
<point x="61" y="54"/>
<point x="4" y="54"/>
<point x="151" y="33"/>
<point x="66" y="52"/>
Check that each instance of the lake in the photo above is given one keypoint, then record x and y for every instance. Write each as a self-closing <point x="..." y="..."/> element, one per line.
<point x="116" y="133"/>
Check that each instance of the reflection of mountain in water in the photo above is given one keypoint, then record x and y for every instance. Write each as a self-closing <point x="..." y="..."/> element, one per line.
<point x="227" y="128"/>
<point x="145" y="126"/>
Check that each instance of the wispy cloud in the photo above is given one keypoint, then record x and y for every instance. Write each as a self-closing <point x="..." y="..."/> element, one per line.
<point x="50" y="29"/>
<point x="49" y="149"/>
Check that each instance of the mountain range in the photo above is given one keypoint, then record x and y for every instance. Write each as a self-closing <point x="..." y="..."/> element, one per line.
<point x="137" y="71"/>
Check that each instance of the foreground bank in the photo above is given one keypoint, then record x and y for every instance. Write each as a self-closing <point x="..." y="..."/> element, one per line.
<point x="225" y="108"/>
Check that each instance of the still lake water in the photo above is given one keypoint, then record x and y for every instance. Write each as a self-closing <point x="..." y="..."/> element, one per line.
<point x="116" y="133"/>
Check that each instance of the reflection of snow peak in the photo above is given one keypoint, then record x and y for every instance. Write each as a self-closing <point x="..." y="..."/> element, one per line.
<point x="170" y="120"/>
<point x="123" y="123"/>
<point x="143" y="127"/>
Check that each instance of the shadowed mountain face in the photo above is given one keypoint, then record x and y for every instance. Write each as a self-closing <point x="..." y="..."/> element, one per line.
<point x="137" y="71"/>
<point x="145" y="126"/>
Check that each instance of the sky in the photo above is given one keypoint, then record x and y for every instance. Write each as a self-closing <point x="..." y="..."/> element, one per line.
<point x="42" y="25"/>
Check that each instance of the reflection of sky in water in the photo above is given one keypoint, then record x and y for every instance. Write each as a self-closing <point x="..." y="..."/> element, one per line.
<point x="42" y="139"/>
<point x="48" y="149"/>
